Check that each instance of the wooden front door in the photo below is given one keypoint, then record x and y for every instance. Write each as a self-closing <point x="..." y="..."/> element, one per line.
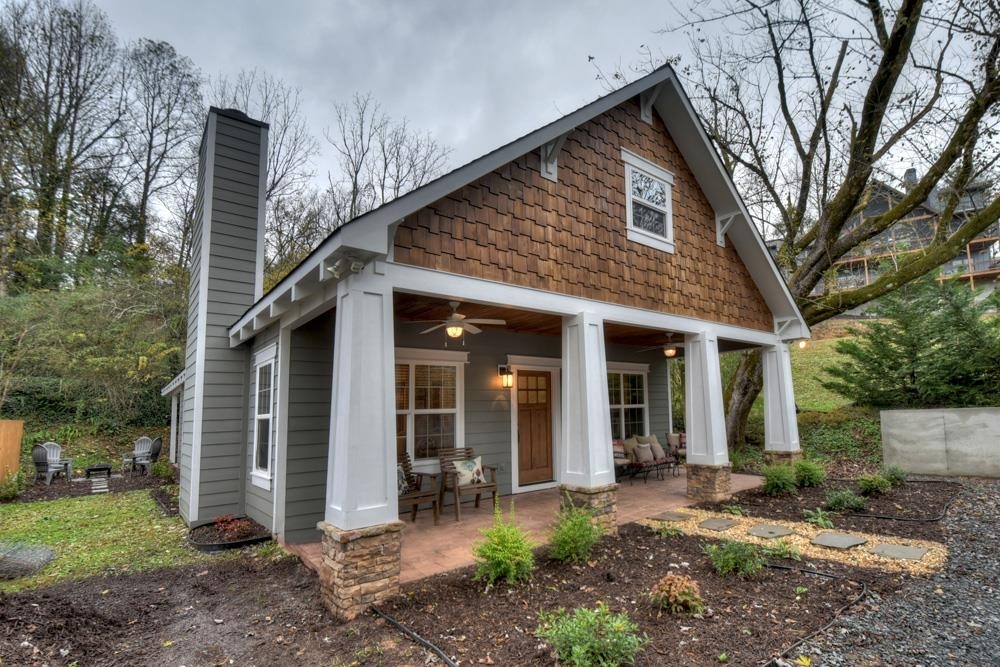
<point x="534" y="427"/>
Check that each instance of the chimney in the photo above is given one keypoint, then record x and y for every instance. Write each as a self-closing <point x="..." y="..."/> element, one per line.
<point x="226" y="278"/>
<point x="909" y="178"/>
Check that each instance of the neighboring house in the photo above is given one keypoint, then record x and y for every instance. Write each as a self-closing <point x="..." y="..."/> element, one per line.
<point x="592" y="238"/>
<point x="978" y="262"/>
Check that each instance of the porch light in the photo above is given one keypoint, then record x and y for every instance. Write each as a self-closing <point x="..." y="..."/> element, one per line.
<point x="506" y="376"/>
<point x="669" y="351"/>
<point x="802" y="344"/>
<point x="454" y="331"/>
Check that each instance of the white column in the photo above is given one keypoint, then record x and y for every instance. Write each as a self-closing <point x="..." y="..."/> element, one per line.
<point x="361" y="487"/>
<point x="705" y="416"/>
<point x="781" y="428"/>
<point x="586" y="427"/>
<point x="174" y="422"/>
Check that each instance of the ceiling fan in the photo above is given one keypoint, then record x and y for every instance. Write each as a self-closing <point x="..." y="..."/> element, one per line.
<point x="456" y="324"/>
<point x="669" y="348"/>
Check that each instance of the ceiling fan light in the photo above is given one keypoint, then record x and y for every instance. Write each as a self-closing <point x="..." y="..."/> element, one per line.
<point x="669" y="351"/>
<point x="454" y="331"/>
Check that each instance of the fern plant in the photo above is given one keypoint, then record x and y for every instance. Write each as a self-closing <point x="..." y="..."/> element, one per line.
<point x="505" y="554"/>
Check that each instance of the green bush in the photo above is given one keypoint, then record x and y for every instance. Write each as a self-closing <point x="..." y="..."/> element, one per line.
<point x="739" y="558"/>
<point x="574" y="535"/>
<point x="677" y="594"/>
<point x="505" y="553"/>
<point x="895" y="475"/>
<point x="779" y="480"/>
<point x="818" y="517"/>
<point x="809" y="473"/>
<point x="591" y="637"/>
<point x="871" y="485"/>
<point x="12" y="486"/>
<point x="164" y="470"/>
<point x="782" y="549"/>
<point x="839" y="500"/>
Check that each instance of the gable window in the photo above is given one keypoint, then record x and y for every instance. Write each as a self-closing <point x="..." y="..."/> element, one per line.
<point x="648" y="202"/>
<point x="627" y="399"/>
<point x="263" y="417"/>
<point x="429" y="402"/>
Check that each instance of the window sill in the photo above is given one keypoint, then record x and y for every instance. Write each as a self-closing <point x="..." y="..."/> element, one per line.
<point x="652" y="240"/>
<point x="260" y="480"/>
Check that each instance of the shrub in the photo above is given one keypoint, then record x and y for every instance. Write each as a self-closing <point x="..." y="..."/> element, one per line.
<point x="12" y="486"/>
<point x="164" y="470"/>
<point x="782" y="549"/>
<point x="809" y="473"/>
<point x="591" y="637"/>
<point x="677" y="594"/>
<point x="505" y="553"/>
<point x="818" y="517"/>
<point x="779" y="480"/>
<point x="575" y="534"/>
<point x="871" y="485"/>
<point x="839" y="500"/>
<point x="739" y="558"/>
<point x="895" y="475"/>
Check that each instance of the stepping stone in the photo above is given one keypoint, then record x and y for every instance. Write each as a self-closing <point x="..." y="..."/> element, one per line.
<point x="769" y="532"/>
<point x="99" y="485"/>
<point x="899" y="551"/>
<point x="671" y="516"/>
<point x="838" y="540"/>
<point x="717" y="524"/>
<point x="19" y="560"/>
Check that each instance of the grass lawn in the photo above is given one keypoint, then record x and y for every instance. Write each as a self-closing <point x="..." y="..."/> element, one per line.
<point x="94" y="535"/>
<point x="807" y="372"/>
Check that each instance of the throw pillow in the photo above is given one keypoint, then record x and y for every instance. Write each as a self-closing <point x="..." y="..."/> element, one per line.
<point x="630" y="445"/>
<point x="644" y="439"/>
<point x="402" y="484"/>
<point x="470" y="471"/>
<point x="653" y="439"/>
<point x="643" y="454"/>
<point x="618" y="447"/>
<point x="658" y="452"/>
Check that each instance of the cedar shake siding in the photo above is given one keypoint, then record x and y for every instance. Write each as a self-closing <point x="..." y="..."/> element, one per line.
<point x="514" y="226"/>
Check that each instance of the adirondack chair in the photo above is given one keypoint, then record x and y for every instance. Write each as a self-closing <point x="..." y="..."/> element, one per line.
<point x="139" y="457"/>
<point x="411" y="488"/>
<point x="483" y="478"/>
<point x="49" y="463"/>
<point x="154" y="452"/>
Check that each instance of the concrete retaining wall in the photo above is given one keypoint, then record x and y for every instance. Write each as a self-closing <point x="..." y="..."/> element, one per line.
<point x="959" y="441"/>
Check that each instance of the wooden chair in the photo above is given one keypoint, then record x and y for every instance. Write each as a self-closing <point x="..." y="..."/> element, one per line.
<point x="415" y="491"/>
<point x="449" y="478"/>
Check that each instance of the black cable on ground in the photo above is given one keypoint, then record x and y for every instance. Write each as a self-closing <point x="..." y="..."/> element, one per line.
<point x="415" y="637"/>
<point x="772" y="662"/>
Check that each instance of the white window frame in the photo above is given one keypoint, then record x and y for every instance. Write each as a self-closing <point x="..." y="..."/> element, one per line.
<point x="261" y="477"/>
<point x="623" y="368"/>
<point x="635" y="163"/>
<point x="418" y="357"/>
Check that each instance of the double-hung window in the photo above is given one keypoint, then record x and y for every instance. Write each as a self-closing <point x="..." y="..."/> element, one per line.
<point x="429" y="401"/>
<point x="263" y="416"/>
<point x="648" y="202"/>
<point x="627" y="398"/>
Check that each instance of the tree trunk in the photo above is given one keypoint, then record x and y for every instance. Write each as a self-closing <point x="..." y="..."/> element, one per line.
<point x="747" y="383"/>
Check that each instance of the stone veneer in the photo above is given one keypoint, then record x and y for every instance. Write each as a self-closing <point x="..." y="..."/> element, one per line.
<point x="778" y="457"/>
<point x="602" y="501"/>
<point x="360" y="567"/>
<point x="708" y="483"/>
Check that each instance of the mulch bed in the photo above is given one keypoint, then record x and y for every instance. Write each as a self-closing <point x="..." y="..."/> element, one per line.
<point x="913" y="510"/>
<point x="60" y="488"/>
<point x="228" y="530"/>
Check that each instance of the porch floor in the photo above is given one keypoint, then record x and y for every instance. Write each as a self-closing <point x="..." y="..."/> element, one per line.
<point x="429" y="549"/>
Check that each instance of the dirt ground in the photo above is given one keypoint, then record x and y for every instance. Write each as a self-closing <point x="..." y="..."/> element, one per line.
<point x="252" y="611"/>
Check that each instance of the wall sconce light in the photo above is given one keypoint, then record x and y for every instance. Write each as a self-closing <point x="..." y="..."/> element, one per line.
<point x="506" y="376"/>
<point x="454" y="331"/>
<point x="802" y="344"/>
<point x="669" y="351"/>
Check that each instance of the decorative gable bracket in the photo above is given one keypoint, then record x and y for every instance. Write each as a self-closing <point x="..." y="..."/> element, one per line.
<point x="781" y="325"/>
<point x="722" y="224"/>
<point x="549" y="153"/>
<point x="646" y="100"/>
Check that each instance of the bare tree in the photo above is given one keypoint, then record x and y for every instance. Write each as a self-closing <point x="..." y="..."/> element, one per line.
<point x="379" y="159"/>
<point x="163" y="117"/>
<point x="814" y="106"/>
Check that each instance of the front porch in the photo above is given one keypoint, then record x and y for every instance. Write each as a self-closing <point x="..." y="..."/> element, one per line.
<point x="428" y="549"/>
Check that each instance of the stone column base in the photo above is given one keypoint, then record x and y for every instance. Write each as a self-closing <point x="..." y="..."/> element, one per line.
<point x="708" y="483"/>
<point x="360" y="567"/>
<point x="778" y="457"/>
<point x="602" y="501"/>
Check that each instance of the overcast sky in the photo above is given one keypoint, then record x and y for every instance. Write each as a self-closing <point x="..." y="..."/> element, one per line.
<point x="474" y="74"/>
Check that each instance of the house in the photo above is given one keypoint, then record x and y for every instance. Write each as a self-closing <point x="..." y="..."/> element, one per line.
<point x="591" y="239"/>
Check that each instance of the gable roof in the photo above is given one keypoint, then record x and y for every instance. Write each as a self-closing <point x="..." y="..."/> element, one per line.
<point x="369" y="236"/>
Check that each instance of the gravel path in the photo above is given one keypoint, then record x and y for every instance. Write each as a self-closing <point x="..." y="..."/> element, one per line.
<point x="950" y="618"/>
